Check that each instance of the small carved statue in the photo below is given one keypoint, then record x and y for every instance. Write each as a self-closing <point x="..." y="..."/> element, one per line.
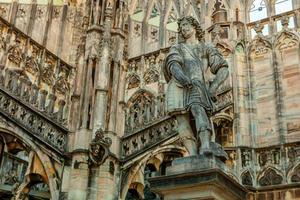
<point x="62" y="85"/>
<point x="32" y="62"/>
<point x="15" y="53"/>
<point x="185" y="70"/>
<point x="47" y="74"/>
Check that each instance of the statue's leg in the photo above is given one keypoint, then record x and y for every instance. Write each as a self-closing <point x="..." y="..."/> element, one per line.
<point x="186" y="134"/>
<point x="203" y="128"/>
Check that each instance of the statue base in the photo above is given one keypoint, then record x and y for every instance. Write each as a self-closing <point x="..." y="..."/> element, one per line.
<point x="197" y="177"/>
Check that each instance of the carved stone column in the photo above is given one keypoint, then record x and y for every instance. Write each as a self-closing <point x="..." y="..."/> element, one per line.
<point x="34" y="94"/>
<point x="103" y="75"/>
<point x="42" y="99"/>
<point x="50" y="106"/>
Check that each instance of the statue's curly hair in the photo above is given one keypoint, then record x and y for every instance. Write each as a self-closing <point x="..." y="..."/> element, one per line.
<point x="195" y="24"/>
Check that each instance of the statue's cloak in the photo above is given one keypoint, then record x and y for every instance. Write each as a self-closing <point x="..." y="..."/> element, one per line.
<point x="194" y="60"/>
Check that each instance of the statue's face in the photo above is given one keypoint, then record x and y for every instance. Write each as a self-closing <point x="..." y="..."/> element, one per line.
<point x="187" y="30"/>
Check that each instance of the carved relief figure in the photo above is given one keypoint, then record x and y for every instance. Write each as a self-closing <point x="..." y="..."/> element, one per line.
<point x="15" y="52"/>
<point x="62" y="85"/>
<point x="47" y="74"/>
<point x="31" y="62"/>
<point x="185" y="67"/>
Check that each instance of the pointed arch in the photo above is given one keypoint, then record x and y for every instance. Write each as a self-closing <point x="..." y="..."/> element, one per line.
<point x="293" y="175"/>
<point x="270" y="176"/>
<point x="138" y="94"/>
<point x="285" y="40"/>
<point x="247" y="178"/>
<point x="139" y="166"/>
<point x="151" y="76"/>
<point x="239" y="47"/>
<point x="48" y="167"/>
<point x="133" y="81"/>
<point x="259" y="46"/>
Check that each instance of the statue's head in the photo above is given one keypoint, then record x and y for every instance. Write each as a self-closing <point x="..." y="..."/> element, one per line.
<point x="187" y="26"/>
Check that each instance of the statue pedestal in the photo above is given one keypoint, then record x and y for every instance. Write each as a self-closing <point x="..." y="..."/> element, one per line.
<point x="197" y="177"/>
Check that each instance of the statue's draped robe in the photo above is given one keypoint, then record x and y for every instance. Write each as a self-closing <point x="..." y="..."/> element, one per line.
<point x="193" y="60"/>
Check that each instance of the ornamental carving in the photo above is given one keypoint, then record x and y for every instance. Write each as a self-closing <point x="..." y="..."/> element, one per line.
<point x="154" y="34"/>
<point x="62" y="85"/>
<point x="270" y="177"/>
<point x="140" y="112"/>
<point x="137" y="30"/>
<point x="3" y="11"/>
<point x="143" y="139"/>
<point x="40" y="13"/>
<point x="30" y="121"/>
<point x="268" y="157"/>
<point x="21" y="12"/>
<point x="15" y="54"/>
<point x="224" y="49"/>
<point x="47" y="74"/>
<point x="286" y="40"/>
<point x="296" y="175"/>
<point x="32" y="62"/>
<point x="4" y="39"/>
<point x="224" y="100"/>
<point x="246" y="157"/>
<point x="133" y="81"/>
<point x="99" y="148"/>
<point x="151" y="76"/>
<point x="293" y="153"/>
<point x="260" y="46"/>
<point x="171" y="37"/>
<point x="247" y="179"/>
<point x="56" y="12"/>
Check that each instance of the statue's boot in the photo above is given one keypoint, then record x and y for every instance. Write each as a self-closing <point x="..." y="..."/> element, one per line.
<point x="204" y="136"/>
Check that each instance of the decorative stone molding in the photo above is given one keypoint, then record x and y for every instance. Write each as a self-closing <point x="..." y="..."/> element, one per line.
<point x="270" y="177"/>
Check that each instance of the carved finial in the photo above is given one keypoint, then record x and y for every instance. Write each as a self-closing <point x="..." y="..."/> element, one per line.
<point x="285" y="22"/>
<point x="99" y="148"/>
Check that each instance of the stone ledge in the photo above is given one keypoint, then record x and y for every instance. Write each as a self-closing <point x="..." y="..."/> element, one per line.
<point x="197" y="177"/>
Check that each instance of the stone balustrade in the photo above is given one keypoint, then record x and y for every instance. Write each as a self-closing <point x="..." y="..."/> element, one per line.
<point x="274" y="24"/>
<point x="34" y="74"/>
<point x="33" y="121"/>
<point x="32" y="96"/>
<point x="153" y="135"/>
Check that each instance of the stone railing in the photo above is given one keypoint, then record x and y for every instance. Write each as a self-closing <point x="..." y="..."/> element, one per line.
<point x="23" y="90"/>
<point x="34" y="75"/>
<point x="149" y="137"/>
<point x="33" y="121"/>
<point x="274" y="24"/>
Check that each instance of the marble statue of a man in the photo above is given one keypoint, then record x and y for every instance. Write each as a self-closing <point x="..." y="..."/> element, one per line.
<point x="186" y="65"/>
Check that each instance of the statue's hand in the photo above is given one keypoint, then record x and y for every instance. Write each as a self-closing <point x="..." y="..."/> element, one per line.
<point x="188" y="84"/>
